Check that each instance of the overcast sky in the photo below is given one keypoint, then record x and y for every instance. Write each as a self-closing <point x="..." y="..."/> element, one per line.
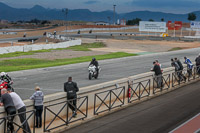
<point x="122" y="6"/>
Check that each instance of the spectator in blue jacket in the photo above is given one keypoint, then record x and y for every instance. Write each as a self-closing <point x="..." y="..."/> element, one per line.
<point x="189" y="66"/>
<point x="38" y="98"/>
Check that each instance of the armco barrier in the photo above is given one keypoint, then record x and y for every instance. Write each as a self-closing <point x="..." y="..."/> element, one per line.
<point x="97" y="94"/>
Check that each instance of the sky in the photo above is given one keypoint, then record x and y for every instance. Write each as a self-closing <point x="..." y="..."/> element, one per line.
<point x="122" y="6"/>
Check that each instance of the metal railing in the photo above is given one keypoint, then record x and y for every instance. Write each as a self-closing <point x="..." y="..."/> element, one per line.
<point x="139" y="90"/>
<point x="106" y="99"/>
<point x="164" y="84"/>
<point x="63" y="107"/>
<point x="5" y="120"/>
<point x="178" y="78"/>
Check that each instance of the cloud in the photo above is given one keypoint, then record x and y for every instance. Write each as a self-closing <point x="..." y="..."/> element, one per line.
<point x="91" y="2"/>
<point x="165" y="3"/>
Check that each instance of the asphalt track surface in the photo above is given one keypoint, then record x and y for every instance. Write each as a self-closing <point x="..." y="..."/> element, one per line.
<point x="158" y="115"/>
<point x="51" y="79"/>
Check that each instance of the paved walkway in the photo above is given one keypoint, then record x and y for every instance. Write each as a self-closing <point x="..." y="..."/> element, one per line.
<point x="158" y="115"/>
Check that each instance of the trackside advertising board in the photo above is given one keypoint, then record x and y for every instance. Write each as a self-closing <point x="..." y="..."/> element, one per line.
<point x="152" y="26"/>
<point x="195" y="24"/>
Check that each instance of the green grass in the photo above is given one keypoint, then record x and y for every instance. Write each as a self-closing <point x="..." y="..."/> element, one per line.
<point x="83" y="47"/>
<point x="29" y="63"/>
<point x="176" y="48"/>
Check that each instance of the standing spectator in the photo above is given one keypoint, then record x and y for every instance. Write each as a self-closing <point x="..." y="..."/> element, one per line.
<point x="9" y="108"/>
<point x="24" y="34"/>
<point x="21" y="109"/>
<point x="38" y="98"/>
<point x="158" y="74"/>
<point x="71" y="88"/>
<point x="189" y="66"/>
<point x="197" y="60"/>
<point x="180" y="74"/>
<point x="159" y="65"/>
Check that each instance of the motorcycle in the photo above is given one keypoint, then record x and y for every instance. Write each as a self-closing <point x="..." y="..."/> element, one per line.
<point x="6" y="85"/>
<point x="93" y="72"/>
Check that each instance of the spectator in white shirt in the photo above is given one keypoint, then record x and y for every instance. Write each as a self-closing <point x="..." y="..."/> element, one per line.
<point x="21" y="109"/>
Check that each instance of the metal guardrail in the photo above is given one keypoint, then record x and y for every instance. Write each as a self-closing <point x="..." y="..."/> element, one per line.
<point x="107" y="100"/>
<point x="141" y="90"/>
<point x="82" y="113"/>
<point x="165" y="83"/>
<point x="176" y="76"/>
<point x="6" y="119"/>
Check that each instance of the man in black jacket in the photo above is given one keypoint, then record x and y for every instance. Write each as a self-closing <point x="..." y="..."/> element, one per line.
<point x="197" y="60"/>
<point x="71" y="88"/>
<point x="158" y="74"/>
<point x="179" y="72"/>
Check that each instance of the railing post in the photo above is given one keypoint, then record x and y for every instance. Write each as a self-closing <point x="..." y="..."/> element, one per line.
<point x="94" y="104"/>
<point x="110" y="100"/>
<point x="44" y="119"/>
<point x="139" y="89"/>
<point x="87" y="107"/>
<point x="34" y="121"/>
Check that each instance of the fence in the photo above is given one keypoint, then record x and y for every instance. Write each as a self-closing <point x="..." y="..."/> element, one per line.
<point x="139" y="90"/>
<point x="106" y="99"/>
<point x="5" y="120"/>
<point x="63" y="107"/>
<point x="161" y="85"/>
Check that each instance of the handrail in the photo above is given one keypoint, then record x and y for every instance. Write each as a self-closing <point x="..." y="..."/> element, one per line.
<point x="6" y="119"/>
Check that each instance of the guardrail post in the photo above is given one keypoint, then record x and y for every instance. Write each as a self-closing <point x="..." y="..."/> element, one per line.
<point x="94" y="104"/>
<point x="44" y="119"/>
<point x="110" y="100"/>
<point x="139" y="89"/>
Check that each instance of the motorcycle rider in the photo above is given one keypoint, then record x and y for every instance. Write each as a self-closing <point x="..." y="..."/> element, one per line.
<point x="95" y="63"/>
<point x="6" y="78"/>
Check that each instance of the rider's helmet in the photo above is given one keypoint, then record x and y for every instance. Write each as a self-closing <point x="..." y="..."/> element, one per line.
<point x="93" y="59"/>
<point x="3" y="74"/>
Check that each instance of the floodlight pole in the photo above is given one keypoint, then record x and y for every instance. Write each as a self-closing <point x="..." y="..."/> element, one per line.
<point x="66" y="10"/>
<point x="114" y="14"/>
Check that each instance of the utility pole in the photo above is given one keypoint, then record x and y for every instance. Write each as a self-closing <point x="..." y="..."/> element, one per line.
<point x="65" y="11"/>
<point x="114" y="14"/>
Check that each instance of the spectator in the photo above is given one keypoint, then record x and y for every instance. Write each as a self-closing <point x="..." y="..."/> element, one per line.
<point x="197" y="60"/>
<point x="24" y="34"/>
<point x="21" y="109"/>
<point x="71" y="88"/>
<point x="189" y="66"/>
<point x="9" y="106"/>
<point x="159" y="65"/>
<point x="38" y="98"/>
<point x="158" y="74"/>
<point x="179" y="72"/>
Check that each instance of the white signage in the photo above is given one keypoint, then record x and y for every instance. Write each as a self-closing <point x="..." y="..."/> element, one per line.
<point x="195" y="25"/>
<point x="152" y="26"/>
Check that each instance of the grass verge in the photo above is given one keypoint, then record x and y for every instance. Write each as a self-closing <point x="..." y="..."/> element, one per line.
<point x="176" y="48"/>
<point x="83" y="47"/>
<point x="29" y="63"/>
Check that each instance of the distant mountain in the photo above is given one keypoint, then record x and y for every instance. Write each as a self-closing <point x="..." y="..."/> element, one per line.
<point x="39" y="12"/>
